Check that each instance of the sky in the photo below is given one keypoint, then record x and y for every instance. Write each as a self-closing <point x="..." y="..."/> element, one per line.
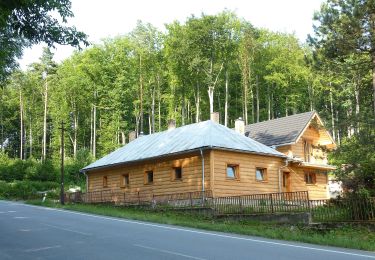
<point x="102" y="19"/>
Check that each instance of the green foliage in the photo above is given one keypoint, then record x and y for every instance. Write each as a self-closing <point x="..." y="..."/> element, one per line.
<point x="355" y="159"/>
<point x="27" y="189"/>
<point x="23" y="23"/>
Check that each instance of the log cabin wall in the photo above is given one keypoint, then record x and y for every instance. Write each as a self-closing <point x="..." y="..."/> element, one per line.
<point x="163" y="178"/>
<point x="317" y="190"/>
<point x="246" y="182"/>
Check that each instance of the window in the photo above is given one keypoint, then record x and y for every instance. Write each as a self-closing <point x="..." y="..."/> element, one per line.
<point x="232" y="171"/>
<point x="149" y="178"/>
<point x="177" y="173"/>
<point x="261" y="174"/>
<point x="310" y="177"/>
<point x="125" y="180"/>
<point x="105" y="181"/>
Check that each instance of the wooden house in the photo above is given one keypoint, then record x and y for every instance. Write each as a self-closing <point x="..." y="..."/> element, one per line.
<point x="304" y="139"/>
<point x="207" y="156"/>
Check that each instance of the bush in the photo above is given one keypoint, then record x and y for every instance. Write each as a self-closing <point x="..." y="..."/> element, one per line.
<point x="45" y="171"/>
<point x="27" y="189"/>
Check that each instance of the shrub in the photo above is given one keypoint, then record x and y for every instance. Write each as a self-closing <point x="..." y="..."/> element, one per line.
<point x="27" y="189"/>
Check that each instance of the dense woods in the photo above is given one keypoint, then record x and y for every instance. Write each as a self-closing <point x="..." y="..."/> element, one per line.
<point x="136" y="82"/>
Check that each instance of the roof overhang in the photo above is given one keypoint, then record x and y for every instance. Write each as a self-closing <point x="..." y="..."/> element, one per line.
<point x="316" y="166"/>
<point x="181" y="153"/>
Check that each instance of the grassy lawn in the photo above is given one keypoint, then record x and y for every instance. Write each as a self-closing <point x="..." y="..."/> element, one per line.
<point x="348" y="236"/>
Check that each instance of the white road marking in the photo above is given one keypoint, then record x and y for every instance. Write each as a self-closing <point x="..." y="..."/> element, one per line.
<point x="41" y="248"/>
<point x="20" y="217"/>
<point x="11" y="211"/>
<point x="24" y="230"/>
<point x="206" y="233"/>
<point x="169" y="252"/>
<point x="66" y="229"/>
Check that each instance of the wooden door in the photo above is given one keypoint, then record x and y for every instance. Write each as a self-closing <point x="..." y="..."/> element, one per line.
<point x="286" y="182"/>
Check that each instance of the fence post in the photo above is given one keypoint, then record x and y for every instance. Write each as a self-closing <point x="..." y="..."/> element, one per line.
<point x="240" y="202"/>
<point x="309" y="203"/>
<point x="139" y="199"/>
<point x="101" y="196"/>
<point x="191" y="200"/>
<point x="124" y="197"/>
<point x="272" y="210"/>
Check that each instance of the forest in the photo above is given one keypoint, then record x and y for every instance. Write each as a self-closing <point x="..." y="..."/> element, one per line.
<point x="222" y="63"/>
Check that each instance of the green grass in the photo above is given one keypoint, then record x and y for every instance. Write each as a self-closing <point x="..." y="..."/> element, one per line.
<point x="348" y="236"/>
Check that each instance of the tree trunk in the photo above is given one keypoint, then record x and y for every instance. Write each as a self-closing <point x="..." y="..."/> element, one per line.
<point x="149" y="123"/>
<point x="75" y="136"/>
<point x="94" y="133"/>
<point x="257" y="97"/>
<point x="197" y="104"/>
<point x="311" y="94"/>
<point x="141" y="93"/>
<point x="332" y="114"/>
<point x="356" y="93"/>
<point x="21" y="126"/>
<point x="159" y="103"/>
<point x="286" y="106"/>
<point x="373" y="79"/>
<point x="91" y="127"/>
<point x="338" y="130"/>
<point x="211" y="98"/>
<point x="269" y="102"/>
<point x="30" y="139"/>
<point x="1" y="119"/>
<point x="153" y="111"/>
<point x="226" y="98"/>
<point x="44" y="148"/>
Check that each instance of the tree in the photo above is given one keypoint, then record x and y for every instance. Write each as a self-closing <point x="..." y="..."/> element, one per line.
<point x="345" y="28"/>
<point x="23" y="23"/>
<point x="355" y="159"/>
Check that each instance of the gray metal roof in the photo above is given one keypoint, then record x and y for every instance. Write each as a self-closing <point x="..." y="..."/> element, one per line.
<point x="205" y="134"/>
<point x="279" y="131"/>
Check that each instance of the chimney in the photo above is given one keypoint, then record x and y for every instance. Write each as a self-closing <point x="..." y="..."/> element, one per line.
<point x="239" y="125"/>
<point x="132" y="136"/>
<point x="171" y="124"/>
<point x="215" y="116"/>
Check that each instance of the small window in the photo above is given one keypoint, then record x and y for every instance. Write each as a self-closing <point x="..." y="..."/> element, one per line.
<point x="105" y="181"/>
<point x="261" y="174"/>
<point x="310" y="177"/>
<point x="125" y="180"/>
<point x="149" y="177"/>
<point x="232" y="171"/>
<point x="177" y="173"/>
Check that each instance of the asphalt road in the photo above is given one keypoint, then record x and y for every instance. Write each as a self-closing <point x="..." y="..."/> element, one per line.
<point x="30" y="232"/>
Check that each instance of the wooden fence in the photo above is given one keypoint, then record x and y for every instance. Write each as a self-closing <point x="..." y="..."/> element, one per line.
<point x="343" y="210"/>
<point x="262" y="203"/>
<point x="334" y="210"/>
<point x="186" y="199"/>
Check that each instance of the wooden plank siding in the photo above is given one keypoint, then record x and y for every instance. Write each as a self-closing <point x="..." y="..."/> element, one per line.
<point x="317" y="190"/>
<point x="163" y="175"/>
<point x="216" y="180"/>
<point x="246" y="182"/>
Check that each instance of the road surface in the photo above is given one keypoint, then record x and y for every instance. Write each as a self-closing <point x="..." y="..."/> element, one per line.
<point x="31" y="232"/>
